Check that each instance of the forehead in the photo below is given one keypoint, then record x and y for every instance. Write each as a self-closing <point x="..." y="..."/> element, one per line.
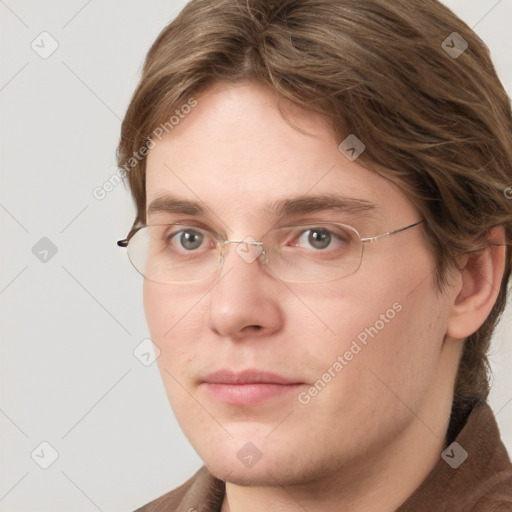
<point x="235" y="153"/>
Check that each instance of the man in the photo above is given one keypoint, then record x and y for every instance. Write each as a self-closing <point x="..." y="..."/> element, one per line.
<point x="323" y="231"/>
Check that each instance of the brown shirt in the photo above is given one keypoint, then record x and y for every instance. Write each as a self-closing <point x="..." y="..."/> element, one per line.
<point x="474" y="474"/>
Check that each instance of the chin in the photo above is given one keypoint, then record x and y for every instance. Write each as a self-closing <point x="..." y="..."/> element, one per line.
<point x="261" y="475"/>
<point x="262" y="463"/>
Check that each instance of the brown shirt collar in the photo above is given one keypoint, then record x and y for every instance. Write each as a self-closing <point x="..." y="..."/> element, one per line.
<point x="481" y="483"/>
<point x="474" y="474"/>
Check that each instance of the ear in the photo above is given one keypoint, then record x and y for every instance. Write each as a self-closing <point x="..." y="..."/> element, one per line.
<point x="479" y="284"/>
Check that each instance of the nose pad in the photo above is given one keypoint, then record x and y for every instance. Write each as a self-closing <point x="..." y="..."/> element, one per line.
<point x="249" y="249"/>
<point x="264" y="258"/>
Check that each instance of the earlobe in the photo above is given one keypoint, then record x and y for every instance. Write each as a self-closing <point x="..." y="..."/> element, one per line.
<point x="479" y="284"/>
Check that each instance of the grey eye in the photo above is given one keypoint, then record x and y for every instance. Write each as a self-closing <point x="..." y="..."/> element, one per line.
<point x="318" y="238"/>
<point x="190" y="239"/>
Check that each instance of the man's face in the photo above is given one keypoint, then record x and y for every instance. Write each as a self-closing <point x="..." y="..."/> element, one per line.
<point x="361" y="353"/>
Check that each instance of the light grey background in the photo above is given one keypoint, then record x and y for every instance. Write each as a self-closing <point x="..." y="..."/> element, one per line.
<point x="69" y="325"/>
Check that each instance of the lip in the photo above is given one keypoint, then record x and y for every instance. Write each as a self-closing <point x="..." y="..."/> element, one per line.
<point x="247" y="387"/>
<point x="250" y="376"/>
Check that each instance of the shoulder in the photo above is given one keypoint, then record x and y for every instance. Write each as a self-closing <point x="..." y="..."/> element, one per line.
<point x="199" y="489"/>
<point x="486" y="479"/>
<point x="495" y="495"/>
<point x="481" y="481"/>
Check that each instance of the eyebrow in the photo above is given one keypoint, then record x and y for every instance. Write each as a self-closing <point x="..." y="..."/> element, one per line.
<point x="175" y="205"/>
<point x="321" y="203"/>
<point x="294" y="206"/>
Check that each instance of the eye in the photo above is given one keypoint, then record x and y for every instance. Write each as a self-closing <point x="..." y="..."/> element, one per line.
<point x="188" y="239"/>
<point x="191" y="239"/>
<point x="318" y="238"/>
<point x="322" y="238"/>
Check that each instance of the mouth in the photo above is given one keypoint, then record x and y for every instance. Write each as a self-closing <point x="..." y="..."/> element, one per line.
<point x="248" y="387"/>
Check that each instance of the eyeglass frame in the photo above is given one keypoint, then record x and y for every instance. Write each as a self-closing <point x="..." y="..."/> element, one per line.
<point x="124" y="244"/>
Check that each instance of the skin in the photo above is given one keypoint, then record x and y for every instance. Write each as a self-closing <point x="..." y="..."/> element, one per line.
<point x="370" y="437"/>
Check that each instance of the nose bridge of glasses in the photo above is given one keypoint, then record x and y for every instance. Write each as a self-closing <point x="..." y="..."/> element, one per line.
<point x="250" y="242"/>
<point x="248" y="249"/>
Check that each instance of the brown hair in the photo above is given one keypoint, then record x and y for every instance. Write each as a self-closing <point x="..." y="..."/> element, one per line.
<point x="436" y="123"/>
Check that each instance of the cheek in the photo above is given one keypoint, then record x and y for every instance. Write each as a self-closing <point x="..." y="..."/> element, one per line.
<point x="153" y="301"/>
<point x="173" y="319"/>
<point x="169" y="308"/>
<point x="388" y="329"/>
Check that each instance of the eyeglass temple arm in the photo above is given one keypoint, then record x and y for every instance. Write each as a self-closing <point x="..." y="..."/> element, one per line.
<point x="389" y="233"/>
<point x="125" y="241"/>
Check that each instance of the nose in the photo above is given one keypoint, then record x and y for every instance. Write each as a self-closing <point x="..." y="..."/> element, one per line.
<point x="244" y="301"/>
